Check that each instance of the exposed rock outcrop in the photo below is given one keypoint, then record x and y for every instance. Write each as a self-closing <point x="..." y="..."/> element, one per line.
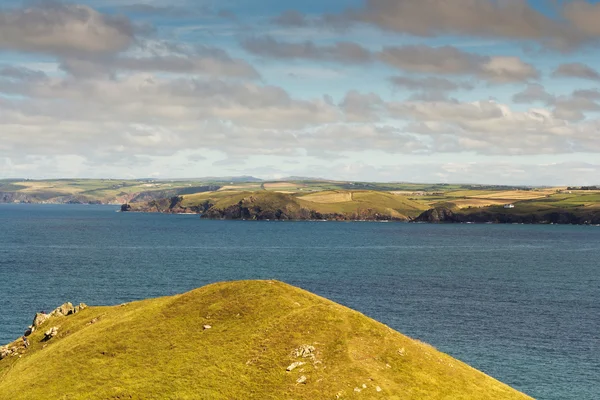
<point x="436" y="215"/>
<point x="39" y="319"/>
<point x="492" y="215"/>
<point x="294" y="365"/>
<point x="50" y="333"/>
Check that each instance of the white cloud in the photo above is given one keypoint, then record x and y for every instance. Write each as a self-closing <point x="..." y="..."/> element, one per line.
<point x="58" y="28"/>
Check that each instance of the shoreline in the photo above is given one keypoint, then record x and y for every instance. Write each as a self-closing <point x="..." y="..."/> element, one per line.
<point x="462" y="218"/>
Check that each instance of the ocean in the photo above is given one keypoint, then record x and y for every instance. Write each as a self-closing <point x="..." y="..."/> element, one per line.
<point x="519" y="302"/>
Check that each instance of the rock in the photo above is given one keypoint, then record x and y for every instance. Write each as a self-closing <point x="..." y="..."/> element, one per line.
<point x="39" y="319"/>
<point x="378" y="389"/>
<point x="302" y="379"/>
<point x="50" y="333"/>
<point x="436" y="215"/>
<point x="294" y="365"/>
<point x="357" y="390"/>
<point x="29" y="331"/>
<point x="80" y="307"/>
<point x="364" y="386"/>
<point x="305" y="350"/>
<point x="5" y="352"/>
<point x="64" y="310"/>
<point x="207" y="327"/>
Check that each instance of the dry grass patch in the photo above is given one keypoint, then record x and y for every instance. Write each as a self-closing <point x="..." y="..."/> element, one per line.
<point x="329" y="197"/>
<point x="518" y="195"/>
<point x="466" y="203"/>
<point x="279" y="185"/>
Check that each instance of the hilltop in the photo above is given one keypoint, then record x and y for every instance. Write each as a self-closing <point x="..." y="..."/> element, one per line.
<point x="251" y="339"/>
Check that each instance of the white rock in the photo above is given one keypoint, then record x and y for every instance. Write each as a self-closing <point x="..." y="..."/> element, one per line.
<point x="302" y="379"/>
<point x="305" y="351"/>
<point x="294" y="365"/>
<point x="50" y="333"/>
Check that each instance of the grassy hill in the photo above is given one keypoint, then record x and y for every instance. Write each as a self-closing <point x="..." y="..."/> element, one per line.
<point x="261" y="205"/>
<point x="161" y="349"/>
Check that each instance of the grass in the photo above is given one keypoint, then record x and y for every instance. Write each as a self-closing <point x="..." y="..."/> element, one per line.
<point x="329" y="197"/>
<point x="353" y="204"/>
<point x="158" y="349"/>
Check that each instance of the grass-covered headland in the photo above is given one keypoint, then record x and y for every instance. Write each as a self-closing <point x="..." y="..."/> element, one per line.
<point x="236" y="340"/>
<point x="253" y="199"/>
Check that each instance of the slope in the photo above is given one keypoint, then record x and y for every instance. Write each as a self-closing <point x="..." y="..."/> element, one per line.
<point x="164" y="349"/>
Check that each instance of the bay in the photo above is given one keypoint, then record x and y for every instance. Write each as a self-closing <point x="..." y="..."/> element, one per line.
<point x="519" y="302"/>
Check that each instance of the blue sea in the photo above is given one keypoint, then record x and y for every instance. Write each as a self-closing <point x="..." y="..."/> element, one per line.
<point x="519" y="302"/>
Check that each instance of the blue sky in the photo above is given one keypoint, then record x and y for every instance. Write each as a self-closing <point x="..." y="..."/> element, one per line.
<point x="476" y="91"/>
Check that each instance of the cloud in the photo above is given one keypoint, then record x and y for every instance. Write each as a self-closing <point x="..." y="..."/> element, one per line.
<point x="448" y="60"/>
<point x="20" y="73"/>
<point x="361" y="107"/>
<point x="267" y="46"/>
<point x="291" y="18"/>
<point x="165" y="57"/>
<point x="534" y="93"/>
<point x="514" y="19"/>
<point x="64" y="29"/>
<point x="331" y="140"/>
<point x="490" y="128"/>
<point x="506" y="172"/>
<point x="575" y="24"/>
<point x="570" y="108"/>
<point x="573" y="108"/>
<point x="577" y="70"/>
<point x="171" y="11"/>
<point x="429" y="84"/>
<point x="584" y="16"/>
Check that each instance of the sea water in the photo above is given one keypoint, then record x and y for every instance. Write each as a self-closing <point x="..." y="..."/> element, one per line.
<point x="519" y="302"/>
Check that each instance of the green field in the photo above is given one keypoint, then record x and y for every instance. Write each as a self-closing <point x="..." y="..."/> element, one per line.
<point x="161" y="349"/>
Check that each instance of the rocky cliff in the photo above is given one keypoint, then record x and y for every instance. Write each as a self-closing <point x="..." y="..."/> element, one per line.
<point x="558" y="216"/>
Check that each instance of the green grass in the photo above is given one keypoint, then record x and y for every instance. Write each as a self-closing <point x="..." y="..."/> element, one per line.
<point x="360" y="203"/>
<point x="381" y="202"/>
<point x="158" y="349"/>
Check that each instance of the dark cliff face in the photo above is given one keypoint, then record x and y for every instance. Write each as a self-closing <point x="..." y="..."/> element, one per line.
<point x="443" y="214"/>
<point x="171" y="205"/>
<point x="256" y="212"/>
<point x="15" y="197"/>
<point x="436" y="215"/>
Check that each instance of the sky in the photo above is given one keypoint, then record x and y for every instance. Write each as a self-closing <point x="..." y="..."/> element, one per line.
<point x="462" y="91"/>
